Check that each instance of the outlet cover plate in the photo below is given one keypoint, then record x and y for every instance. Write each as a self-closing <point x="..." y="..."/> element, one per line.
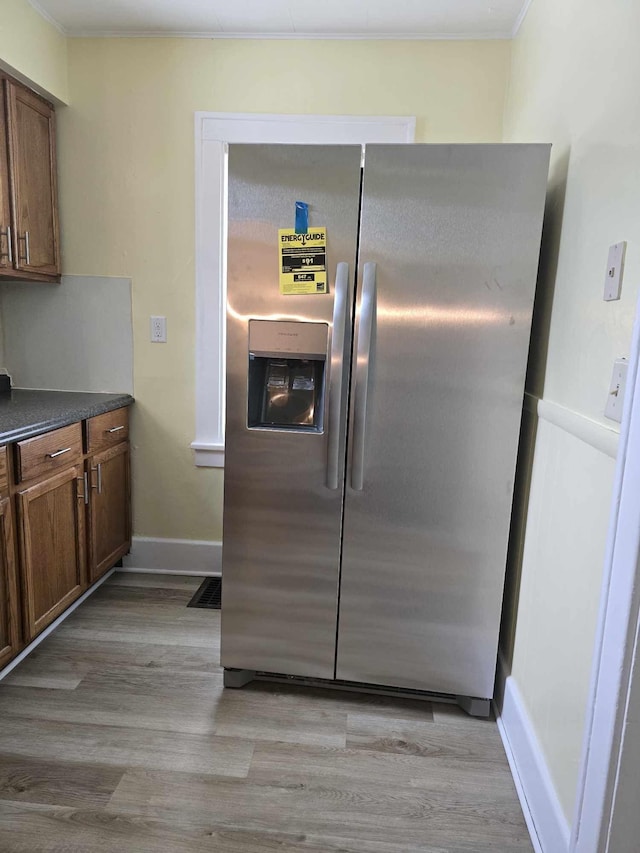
<point x="615" y="398"/>
<point x="158" y="330"/>
<point x="615" y="269"/>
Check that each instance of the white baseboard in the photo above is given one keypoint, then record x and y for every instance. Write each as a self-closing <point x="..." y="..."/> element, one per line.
<point x="548" y="827"/>
<point x="174" y="556"/>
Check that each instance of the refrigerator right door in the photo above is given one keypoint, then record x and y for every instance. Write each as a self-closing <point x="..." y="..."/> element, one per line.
<point x="449" y="246"/>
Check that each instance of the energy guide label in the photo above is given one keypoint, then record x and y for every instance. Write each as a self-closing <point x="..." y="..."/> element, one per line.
<point x="303" y="261"/>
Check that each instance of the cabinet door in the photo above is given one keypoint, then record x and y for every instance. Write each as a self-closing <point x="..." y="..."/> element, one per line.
<point x="9" y="635"/>
<point x="32" y="160"/>
<point x="6" y="249"/>
<point x="52" y="545"/>
<point x="109" y="509"/>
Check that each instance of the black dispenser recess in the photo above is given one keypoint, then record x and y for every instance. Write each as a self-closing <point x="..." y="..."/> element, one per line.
<point x="286" y="375"/>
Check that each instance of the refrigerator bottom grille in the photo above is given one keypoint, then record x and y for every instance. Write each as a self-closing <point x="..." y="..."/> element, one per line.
<point x="474" y="706"/>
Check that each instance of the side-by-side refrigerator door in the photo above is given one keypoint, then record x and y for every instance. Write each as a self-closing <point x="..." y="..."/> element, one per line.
<point x="287" y="385"/>
<point x="448" y="258"/>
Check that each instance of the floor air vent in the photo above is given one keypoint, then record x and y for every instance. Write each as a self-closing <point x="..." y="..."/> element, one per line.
<point x="208" y="594"/>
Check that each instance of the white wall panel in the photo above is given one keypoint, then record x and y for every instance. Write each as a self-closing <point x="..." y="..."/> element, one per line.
<point x="76" y="336"/>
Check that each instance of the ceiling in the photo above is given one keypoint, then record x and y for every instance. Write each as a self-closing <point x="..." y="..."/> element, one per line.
<point x="415" y="19"/>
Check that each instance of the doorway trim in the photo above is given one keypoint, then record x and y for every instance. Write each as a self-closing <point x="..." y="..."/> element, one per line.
<point x="616" y="633"/>
<point x="213" y="133"/>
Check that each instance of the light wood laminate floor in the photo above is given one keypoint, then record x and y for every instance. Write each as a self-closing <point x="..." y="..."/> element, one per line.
<point x="117" y="735"/>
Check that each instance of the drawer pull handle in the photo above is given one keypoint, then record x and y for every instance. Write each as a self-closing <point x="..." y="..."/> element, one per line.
<point x="114" y="429"/>
<point x="59" y="452"/>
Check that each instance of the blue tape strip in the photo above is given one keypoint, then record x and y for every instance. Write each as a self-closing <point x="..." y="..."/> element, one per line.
<point x="302" y="217"/>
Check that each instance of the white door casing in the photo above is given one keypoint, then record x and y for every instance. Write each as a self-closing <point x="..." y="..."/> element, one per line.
<point x="609" y="707"/>
<point x="213" y="132"/>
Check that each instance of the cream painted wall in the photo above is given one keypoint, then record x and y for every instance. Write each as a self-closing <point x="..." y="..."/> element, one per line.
<point x="573" y="82"/>
<point x="33" y="49"/>
<point x="126" y="166"/>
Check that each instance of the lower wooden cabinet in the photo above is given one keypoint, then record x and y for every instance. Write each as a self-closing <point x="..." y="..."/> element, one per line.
<point x="109" y="509"/>
<point x="51" y="531"/>
<point x="9" y="613"/>
<point x="65" y="520"/>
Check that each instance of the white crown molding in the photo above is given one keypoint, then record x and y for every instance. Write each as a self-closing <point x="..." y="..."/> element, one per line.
<point x="48" y="18"/>
<point x="499" y="35"/>
<point x="488" y="35"/>
<point x="520" y="19"/>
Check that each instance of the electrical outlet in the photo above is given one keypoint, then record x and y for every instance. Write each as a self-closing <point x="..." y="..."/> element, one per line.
<point x="158" y="330"/>
<point x="615" y="400"/>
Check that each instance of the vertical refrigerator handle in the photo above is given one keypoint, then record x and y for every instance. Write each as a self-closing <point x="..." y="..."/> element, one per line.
<point x="340" y="306"/>
<point x="363" y="359"/>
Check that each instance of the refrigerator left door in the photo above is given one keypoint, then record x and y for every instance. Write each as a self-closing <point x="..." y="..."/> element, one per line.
<point x="284" y="483"/>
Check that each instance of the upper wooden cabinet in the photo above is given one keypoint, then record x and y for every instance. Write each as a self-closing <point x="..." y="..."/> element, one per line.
<point x="6" y="230"/>
<point x="29" y="240"/>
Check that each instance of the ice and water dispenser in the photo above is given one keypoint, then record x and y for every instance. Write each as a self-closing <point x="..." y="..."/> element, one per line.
<point x="287" y="362"/>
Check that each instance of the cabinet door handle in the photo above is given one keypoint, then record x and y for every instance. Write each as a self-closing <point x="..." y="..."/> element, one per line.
<point x="59" y="453"/>
<point x="115" y="429"/>
<point x="25" y="240"/>
<point x="85" y="482"/>
<point x="9" y="253"/>
<point x="98" y="487"/>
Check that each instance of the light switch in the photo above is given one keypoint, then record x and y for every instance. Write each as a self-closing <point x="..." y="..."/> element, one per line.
<point x="615" y="268"/>
<point x="615" y="400"/>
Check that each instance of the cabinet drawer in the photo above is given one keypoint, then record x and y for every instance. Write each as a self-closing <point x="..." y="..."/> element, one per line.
<point x="4" y="478"/>
<point x="37" y="457"/>
<point x="106" y="430"/>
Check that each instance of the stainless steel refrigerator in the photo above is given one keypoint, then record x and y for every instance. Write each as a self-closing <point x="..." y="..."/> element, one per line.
<point x="372" y="429"/>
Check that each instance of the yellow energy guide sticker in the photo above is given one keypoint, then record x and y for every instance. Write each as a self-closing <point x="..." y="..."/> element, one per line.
<point x="303" y="261"/>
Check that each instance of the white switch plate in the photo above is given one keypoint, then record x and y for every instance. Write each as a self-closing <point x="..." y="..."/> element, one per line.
<point x="158" y="330"/>
<point x="615" y="400"/>
<point x="615" y="268"/>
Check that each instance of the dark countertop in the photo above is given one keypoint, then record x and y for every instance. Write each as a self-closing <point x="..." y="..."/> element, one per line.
<point x="24" y="414"/>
